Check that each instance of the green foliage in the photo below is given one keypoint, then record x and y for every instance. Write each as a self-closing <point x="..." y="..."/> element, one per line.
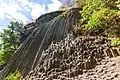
<point x="2" y="61"/>
<point x="111" y="4"/>
<point x="114" y="30"/>
<point x="99" y="19"/>
<point x="9" y="40"/>
<point x="15" y="76"/>
<point x="97" y="15"/>
<point x="90" y="7"/>
<point x="118" y="4"/>
<point x="115" y="42"/>
<point x="4" y="57"/>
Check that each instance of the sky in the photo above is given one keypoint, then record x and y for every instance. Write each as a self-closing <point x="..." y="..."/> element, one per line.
<point x="25" y="10"/>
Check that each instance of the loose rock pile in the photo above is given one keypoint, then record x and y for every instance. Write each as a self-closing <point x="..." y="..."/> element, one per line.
<point x="71" y="57"/>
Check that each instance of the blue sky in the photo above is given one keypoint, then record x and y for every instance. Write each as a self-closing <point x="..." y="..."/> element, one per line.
<point x="25" y="10"/>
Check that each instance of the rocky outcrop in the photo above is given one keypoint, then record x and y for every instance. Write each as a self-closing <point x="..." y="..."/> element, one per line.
<point x="28" y="54"/>
<point x="51" y="49"/>
<point x="42" y="20"/>
<point x="70" y="57"/>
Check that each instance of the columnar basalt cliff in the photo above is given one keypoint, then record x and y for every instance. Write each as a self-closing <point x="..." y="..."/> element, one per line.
<point x="52" y="49"/>
<point x="50" y="27"/>
<point x="71" y="57"/>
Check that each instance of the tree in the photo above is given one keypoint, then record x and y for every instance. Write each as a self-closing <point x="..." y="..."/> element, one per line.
<point x="9" y="40"/>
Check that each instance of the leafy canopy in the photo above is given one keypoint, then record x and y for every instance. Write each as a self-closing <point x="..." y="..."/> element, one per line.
<point x="9" y="40"/>
<point x="99" y="14"/>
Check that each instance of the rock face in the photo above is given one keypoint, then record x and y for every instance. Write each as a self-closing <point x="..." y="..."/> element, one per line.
<point x="47" y="29"/>
<point x="48" y="50"/>
<point x="107" y="69"/>
<point x="71" y="57"/>
<point x="40" y="22"/>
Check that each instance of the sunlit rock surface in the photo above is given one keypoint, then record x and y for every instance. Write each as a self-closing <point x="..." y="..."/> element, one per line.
<point x="47" y="28"/>
<point x="75" y="58"/>
<point x="51" y="49"/>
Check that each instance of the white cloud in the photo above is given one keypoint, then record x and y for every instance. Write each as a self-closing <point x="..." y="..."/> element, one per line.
<point x="37" y="10"/>
<point x="17" y="9"/>
<point x="54" y="5"/>
<point x="11" y="11"/>
<point x="8" y="8"/>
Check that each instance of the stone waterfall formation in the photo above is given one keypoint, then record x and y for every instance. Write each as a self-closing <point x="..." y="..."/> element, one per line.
<point x="50" y="27"/>
<point x="50" y="50"/>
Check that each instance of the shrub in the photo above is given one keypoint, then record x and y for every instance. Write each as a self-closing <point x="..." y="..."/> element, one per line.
<point x="118" y="4"/>
<point x="91" y="6"/>
<point x="114" y="30"/>
<point x="98" y="16"/>
<point x="15" y="76"/>
<point x="4" y="57"/>
<point x="115" y="42"/>
<point x="100" y="19"/>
